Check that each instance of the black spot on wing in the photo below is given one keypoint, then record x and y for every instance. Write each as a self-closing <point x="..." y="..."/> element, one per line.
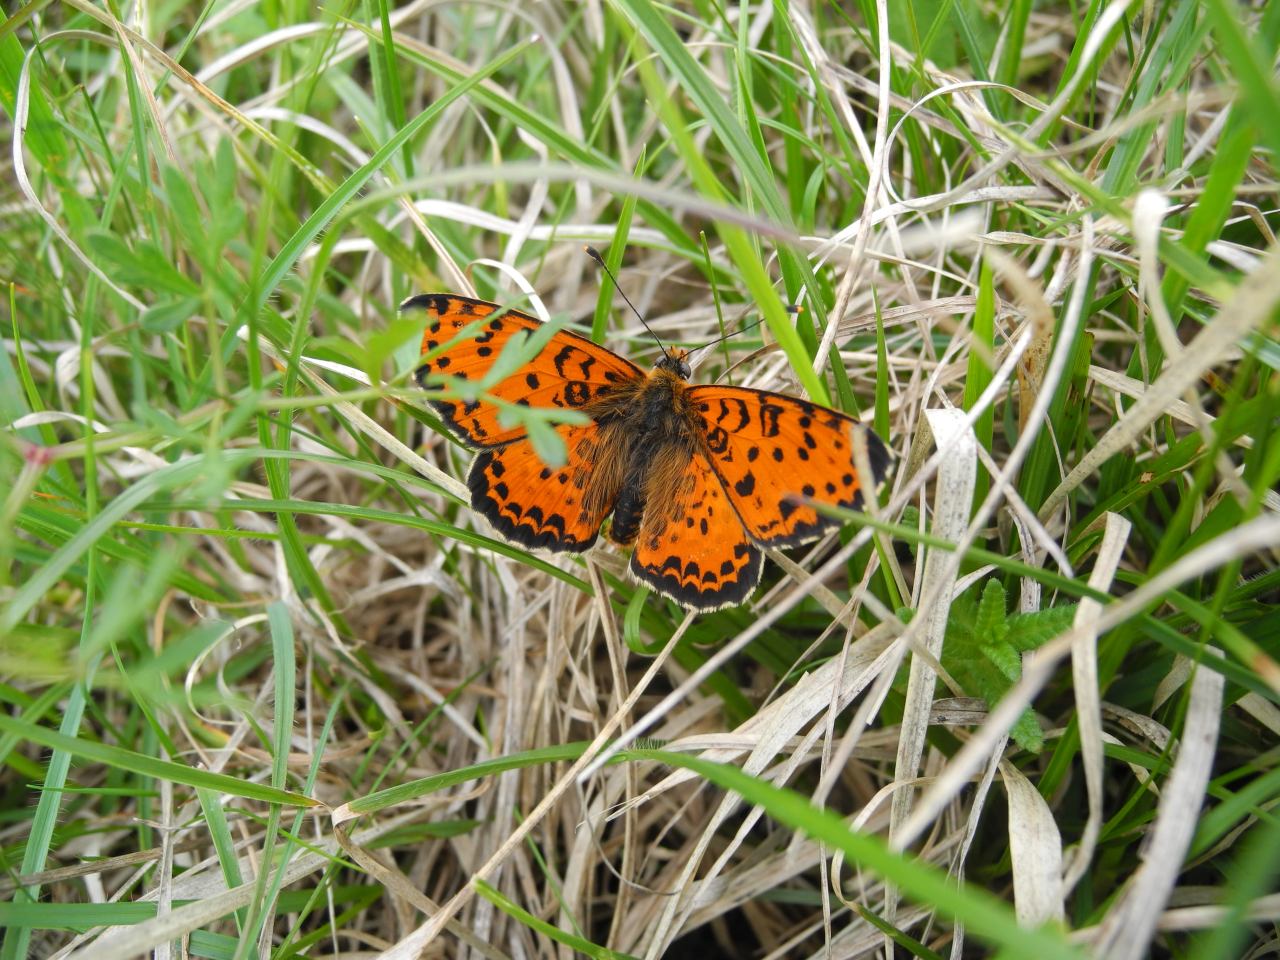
<point x="561" y="360"/>
<point x="436" y="303"/>
<point x="527" y="525"/>
<point x="878" y="455"/>
<point x="685" y="582"/>
<point x="735" y="411"/>
<point x="812" y="526"/>
<point x="769" y="414"/>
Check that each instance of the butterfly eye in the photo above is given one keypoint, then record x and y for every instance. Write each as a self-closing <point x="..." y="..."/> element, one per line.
<point x="675" y="363"/>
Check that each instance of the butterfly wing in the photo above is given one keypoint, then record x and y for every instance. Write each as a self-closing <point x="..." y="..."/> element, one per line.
<point x="541" y="507"/>
<point x="773" y="453"/>
<point x="464" y="338"/>
<point x="692" y="546"/>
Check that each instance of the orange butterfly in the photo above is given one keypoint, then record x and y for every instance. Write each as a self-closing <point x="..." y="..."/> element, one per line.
<point x="698" y="478"/>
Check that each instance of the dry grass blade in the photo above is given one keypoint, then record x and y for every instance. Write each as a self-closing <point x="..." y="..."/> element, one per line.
<point x="1035" y="848"/>
<point x="953" y="493"/>
<point x="1084" y="682"/>
<point x="1125" y="933"/>
<point x="1030" y="246"/>
<point x="953" y="496"/>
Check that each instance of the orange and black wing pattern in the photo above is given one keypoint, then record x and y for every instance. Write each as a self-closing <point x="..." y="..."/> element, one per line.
<point x="463" y="339"/>
<point x="692" y="547"/>
<point x="776" y="455"/>
<point x="542" y="507"/>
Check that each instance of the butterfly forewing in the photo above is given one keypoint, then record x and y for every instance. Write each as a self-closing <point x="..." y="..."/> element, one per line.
<point x="465" y="337"/>
<point x="777" y="454"/>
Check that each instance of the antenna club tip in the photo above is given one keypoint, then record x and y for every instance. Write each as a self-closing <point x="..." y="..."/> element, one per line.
<point x="593" y="253"/>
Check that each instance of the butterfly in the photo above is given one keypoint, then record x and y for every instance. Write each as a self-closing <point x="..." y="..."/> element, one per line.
<point x="696" y="478"/>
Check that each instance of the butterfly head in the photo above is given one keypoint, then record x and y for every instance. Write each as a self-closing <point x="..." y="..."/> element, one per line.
<point x="675" y="361"/>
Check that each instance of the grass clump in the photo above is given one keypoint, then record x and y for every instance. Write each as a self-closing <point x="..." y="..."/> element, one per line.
<point x="270" y="688"/>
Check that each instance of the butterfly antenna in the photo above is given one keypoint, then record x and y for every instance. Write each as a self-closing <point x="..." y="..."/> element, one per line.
<point x="791" y="308"/>
<point x="731" y="333"/>
<point x="594" y="254"/>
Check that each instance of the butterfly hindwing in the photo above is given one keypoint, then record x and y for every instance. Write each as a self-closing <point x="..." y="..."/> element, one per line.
<point x="692" y="546"/>
<point x="464" y="338"/>
<point x="542" y="507"/>
<point x="773" y="453"/>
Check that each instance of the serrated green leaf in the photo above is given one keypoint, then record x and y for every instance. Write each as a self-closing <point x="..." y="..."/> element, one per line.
<point x="1005" y="659"/>
<point x="523" y="346"/>
<point x="1027" y="631"/>
<point x="977" y="676"/>
<point x="990" y="621"/>
<point x="984" y="646"/>
<point x="1026" y="732"/>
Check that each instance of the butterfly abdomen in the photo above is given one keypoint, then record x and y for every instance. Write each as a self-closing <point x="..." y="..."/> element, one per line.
<point x="659" y="444"/>
<point x="627" y="512"/>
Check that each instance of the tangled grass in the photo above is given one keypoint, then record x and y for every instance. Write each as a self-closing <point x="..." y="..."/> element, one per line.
<point x="271" y="689"/>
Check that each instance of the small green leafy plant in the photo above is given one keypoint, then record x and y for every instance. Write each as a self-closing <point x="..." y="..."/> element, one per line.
<point x="984" y="647"/>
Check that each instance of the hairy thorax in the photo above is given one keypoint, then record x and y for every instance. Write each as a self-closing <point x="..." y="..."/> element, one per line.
<point x="646" y="438"/>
